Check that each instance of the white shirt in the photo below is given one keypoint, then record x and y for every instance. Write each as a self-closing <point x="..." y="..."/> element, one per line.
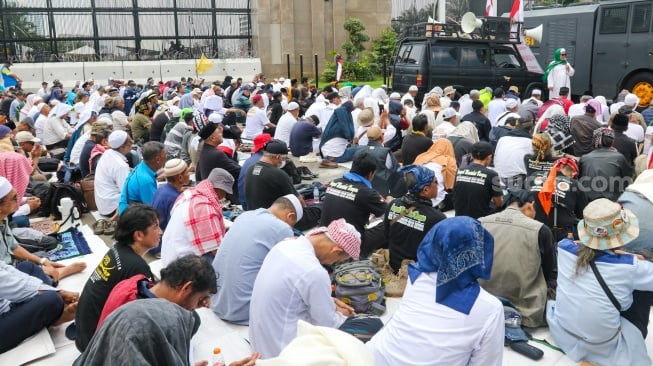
<point x="110" y="175"/>
<point x="76" y="152"/>
<point x="635" y="132"/>
<point x="55" y="130"/>
<point x="255" y="123"/>
<point x="119" y="119"/>
<point x="325" y="115"/>
<point x="291" y="285"/>
<point x="284" y="126"/>
<point x="495" y="109"/>
<point x="315" y="109"/>
<point x="509" y="155"/>
<point x="577" y="109"/>
<point x="177" y="238"/>
<point x="39" y="126"/>
<point x="442" y="193"/>
<point x="42" y="92"/>
<point x="465" y="105"/>
<point x="502" y="121"/>
<point x="335" y="147"/>
<point x="423" y="332"/>
<point x="443" y="129"/>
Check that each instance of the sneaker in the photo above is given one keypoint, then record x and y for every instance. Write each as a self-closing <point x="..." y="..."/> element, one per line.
<point x="397" y="285"/>
<point x="307" y="172"/>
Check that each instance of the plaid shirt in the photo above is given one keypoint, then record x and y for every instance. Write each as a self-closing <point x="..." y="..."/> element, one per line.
<point x="204" y="217"/>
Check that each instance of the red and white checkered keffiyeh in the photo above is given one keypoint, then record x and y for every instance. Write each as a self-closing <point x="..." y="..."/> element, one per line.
<point x="204" y="217"/>
<point x="344" y="235"/>
<point x="17" y="169"/>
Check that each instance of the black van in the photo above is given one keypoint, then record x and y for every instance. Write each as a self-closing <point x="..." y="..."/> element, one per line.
<point x="428" y="57"/>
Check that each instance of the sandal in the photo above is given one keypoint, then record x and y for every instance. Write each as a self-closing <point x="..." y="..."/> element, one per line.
<point x="100" y="226"/>
<point x="111" y="228"/>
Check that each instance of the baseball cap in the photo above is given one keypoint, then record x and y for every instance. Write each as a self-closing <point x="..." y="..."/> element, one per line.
<point x="260" y="140"/>
<point x="24" y="136"/>
<point x="448" y="113"/>
<point x="117" y="139"/>
<point x="276" y="146"/>
<point x="221" y="179"/>
<point x="481" y="150"/>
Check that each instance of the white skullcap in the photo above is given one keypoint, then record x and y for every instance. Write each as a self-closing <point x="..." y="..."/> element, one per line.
<point x="292" y="106"/>
<point x="117" y="139"/>
<point x="5" y="187"/>
<point x="174" y="167"/>
<point x="85" y="116"/>
<point x="215" y="117"/>
<point x="536" y="92"/>
<point x="299" y="211"/>
<point x="175" y="111"/>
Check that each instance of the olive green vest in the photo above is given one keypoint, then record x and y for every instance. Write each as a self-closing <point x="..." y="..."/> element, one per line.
<point x="516" y="271"/>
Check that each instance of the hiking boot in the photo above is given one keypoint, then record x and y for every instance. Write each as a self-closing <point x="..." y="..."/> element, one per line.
<point x="381" y="262"/>
<point x="396" y="286"/>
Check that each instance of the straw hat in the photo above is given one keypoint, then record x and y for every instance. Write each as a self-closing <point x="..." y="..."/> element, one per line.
<point x="606" y="225"/>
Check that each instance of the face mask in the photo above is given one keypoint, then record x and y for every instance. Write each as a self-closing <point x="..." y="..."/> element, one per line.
<point x="283" y="163"/>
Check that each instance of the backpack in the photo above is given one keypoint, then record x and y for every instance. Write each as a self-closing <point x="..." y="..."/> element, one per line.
<point x="56" y="193"/>
<point x="360" y="286"/>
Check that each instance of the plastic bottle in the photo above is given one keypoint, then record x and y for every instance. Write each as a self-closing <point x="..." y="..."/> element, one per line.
<point x="218" y="358"/>
<point x="316" y="194"/>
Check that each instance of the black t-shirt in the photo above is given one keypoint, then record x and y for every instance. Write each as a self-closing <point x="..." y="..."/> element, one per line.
<point x="626" y="146"/>
<point x="412" y="146"/>
<point x="264" y="183"/>
<point x="475" y="187"/>
<point x="483" y="124"/>
<point x="571" y="201"/>
<point x="544" y="165"/>
<point x="158" y="125"/>
<point x="118" y="264"/>
<point x="461" y="147"/>
<point x="84" y="157"/>
<point x="353" y="201"/>
<point x="406" y="233"/>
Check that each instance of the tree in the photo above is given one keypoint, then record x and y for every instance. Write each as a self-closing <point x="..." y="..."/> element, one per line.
<point x="383" y="48"/>
<point x="354" y="44"/>
<point x="17" y="25"/>
<point x="412" y="16"/>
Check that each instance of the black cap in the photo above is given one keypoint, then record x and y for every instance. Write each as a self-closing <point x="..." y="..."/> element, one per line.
<point x="481" y="150"/>
<point x="276" y="147"/>
<point x="233" y="132"/>
<point x="564" y="91"/>
<point x="207" y="130"/>
<point x="315" y="119"/>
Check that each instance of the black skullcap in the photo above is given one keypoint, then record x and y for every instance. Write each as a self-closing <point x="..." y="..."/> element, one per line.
<point x="207" y="130"/>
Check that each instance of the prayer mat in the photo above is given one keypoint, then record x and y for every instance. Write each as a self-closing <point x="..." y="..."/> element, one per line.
<point x="71" y="244"/>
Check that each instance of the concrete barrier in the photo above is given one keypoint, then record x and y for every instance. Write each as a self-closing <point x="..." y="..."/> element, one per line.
<point x="33" y="74"/>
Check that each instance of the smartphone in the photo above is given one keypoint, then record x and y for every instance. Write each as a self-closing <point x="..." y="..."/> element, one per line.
<point x="381" y="108"/>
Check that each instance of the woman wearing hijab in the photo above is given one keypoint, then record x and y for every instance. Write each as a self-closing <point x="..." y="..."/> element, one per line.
<point x="445" y="317"/>
<point x="441" y="159"/>
<point x="596" y="281"/>
<point x="463" y="138"/>
<point x="57" y="131"/>
<point x="337" y="136"/>
<point x="557" y="73"/>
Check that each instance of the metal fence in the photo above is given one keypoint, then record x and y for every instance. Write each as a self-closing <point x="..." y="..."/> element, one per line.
<point x="121" y="30"/>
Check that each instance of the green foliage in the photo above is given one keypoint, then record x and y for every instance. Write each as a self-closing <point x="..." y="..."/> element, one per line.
<point x="354" y="44"/>
<point x="384" y="45"/>
<point x="412" y="16"/>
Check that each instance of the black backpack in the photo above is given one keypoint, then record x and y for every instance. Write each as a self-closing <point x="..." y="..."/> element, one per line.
<point x="56" y="193"/>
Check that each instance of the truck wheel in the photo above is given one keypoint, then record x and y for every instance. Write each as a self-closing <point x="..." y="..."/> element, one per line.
<point x="641" y="84"/>
<point x="529" y="89"/>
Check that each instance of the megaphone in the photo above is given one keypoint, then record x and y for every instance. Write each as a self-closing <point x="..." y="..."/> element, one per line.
<point x="535" y="33"/>
<point x="469" y="22"/>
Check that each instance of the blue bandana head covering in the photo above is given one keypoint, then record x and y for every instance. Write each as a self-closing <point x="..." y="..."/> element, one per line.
<point x="423" y="177"/>
<point x="461" y="252"/>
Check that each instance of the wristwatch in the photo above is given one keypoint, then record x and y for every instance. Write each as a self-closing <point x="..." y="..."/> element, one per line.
<point x="42" y="261"/>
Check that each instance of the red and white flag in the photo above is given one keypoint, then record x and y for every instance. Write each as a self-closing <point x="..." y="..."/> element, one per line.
<point x="338" y="67"/>
<point x="517" y="11"/>
<point x="490" y="9"/>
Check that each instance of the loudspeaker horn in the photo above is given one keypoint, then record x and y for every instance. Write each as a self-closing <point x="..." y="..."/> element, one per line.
<point x="535" y="33"/>
<point x="469" y="22"/>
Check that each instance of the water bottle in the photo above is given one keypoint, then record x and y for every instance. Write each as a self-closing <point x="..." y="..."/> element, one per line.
<point x="218" y="358"/>
<point x="316" y="194"/>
